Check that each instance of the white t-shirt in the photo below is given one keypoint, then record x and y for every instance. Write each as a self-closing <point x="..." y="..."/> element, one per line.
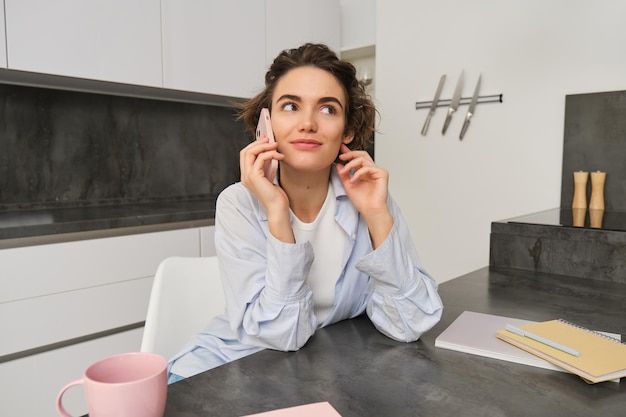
<point x="328" y="240"/>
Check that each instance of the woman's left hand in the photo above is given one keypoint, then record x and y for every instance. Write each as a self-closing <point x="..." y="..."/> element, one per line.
<point x="367" y="188"/>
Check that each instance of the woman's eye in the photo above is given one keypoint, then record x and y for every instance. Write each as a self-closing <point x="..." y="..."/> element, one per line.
<point x="328" y="110"/>
<point x="289" y="107"/>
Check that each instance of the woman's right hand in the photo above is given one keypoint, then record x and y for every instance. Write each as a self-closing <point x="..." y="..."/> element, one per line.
<point x="252" y="160"/>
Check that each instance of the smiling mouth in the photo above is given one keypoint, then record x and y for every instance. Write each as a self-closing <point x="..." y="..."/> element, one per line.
<point x="306" y="143"/>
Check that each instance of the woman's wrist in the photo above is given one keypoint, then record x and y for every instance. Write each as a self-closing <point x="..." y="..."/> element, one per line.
<point x="280" y="226"/>
<point x="379" y="226"/>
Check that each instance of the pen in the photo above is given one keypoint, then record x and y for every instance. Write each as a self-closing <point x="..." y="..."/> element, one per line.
<point x="541" y="339"/>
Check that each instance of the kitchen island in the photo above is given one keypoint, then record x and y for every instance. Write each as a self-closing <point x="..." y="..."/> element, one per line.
<point x="362" y="373"/>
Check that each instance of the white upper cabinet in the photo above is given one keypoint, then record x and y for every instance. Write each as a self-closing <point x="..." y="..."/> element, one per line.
<point x="358" y="24"/>
<point x="3" y="51"/>
<point x="225" y="47"/>
<point x="108" y="40"/>
<point x="215" y="47"/>
<point x="292" y="23"/>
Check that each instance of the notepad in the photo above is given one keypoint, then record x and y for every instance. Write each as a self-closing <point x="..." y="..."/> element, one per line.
<point x="601" y="357"/>
<point x="475" y="333"/>
<point x="321" y="409"/>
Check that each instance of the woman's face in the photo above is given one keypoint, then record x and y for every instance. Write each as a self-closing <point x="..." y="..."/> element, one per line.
<point x="308" y="118"/>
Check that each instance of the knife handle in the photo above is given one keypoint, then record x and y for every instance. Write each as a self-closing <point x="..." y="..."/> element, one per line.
<point x="468" y="118"/>
<point x="446" y="123"/>
<point x="464" y="128"/>
<point x="426" y="123"/>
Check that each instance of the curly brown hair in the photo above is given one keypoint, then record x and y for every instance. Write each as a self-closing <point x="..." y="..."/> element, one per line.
<point x="360" y="109"/>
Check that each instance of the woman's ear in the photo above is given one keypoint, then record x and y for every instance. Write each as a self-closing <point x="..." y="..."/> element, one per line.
<point x="347" y="137"/>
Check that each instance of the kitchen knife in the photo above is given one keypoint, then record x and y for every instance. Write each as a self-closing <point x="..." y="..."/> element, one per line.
<point x="470" y="111"/>
<point x="454" y="103"/>
<point x="433" y="106"/>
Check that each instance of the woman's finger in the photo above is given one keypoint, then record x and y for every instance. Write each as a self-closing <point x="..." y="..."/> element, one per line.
<point x="358" y="163"/>
<point x="249" y="154"/>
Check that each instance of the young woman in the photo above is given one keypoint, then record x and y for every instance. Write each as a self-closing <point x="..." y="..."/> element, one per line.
<point x="321" y="243"/>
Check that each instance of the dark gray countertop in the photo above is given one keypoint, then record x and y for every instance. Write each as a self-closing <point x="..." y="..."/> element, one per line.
<point x="56" y="222"/>
<point x="547" y="242"/>
<point x="362" y="373"/>
<point x="612" y="220"/>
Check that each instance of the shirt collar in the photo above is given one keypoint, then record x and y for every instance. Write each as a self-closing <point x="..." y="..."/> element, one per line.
<point x="336" y="181"/>
<point x="340" y="192"/>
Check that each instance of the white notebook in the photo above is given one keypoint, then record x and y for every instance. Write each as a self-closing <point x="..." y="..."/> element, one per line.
<point x="475" y="333"/>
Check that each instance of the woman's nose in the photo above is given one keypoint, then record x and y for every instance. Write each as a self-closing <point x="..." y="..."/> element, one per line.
<point x="307" y="121"/>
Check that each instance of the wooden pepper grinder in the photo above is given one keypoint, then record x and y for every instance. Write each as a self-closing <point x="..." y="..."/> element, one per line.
<point x="597" y="190"/>
<point x="579" y="203"/>
<point x="596" y="202"/>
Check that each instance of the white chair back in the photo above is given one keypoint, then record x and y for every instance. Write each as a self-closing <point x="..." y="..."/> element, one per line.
<point x="186" y="293"/>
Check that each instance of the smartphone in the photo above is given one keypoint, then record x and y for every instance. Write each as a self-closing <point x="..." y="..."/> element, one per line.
<point x="264" y="127"/>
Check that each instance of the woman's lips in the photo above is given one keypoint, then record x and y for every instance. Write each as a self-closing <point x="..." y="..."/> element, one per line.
<point x="306" y="144"/>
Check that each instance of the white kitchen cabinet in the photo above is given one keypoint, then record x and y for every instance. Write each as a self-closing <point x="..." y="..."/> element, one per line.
<point x="108" y="40"/>
<point x="292" y="23"/>
<point x="215" y="47"/>
<point x="3" y="51"/>
<point x="66" y="305"/>
<point x="225" y="48"/>
<point x="57" y="292"/>
<point x="29" y="386"/>
<point x="358" y="24"/>
<point x="219" y="48"/>
<point x="207" y="241"/>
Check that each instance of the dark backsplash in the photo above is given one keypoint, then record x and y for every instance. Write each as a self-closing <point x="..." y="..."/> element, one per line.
<point x="72" y="148"/>
<point x="595" y="140"/>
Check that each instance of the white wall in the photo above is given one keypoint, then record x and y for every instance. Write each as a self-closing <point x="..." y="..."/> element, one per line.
<point x="534" y="52"/>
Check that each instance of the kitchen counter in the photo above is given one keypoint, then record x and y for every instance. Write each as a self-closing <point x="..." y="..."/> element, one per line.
<point x="38" y="226"/>
<point x="548" y="242"/>
<point x="363" y="373"/>
<point x="612" y="220"/>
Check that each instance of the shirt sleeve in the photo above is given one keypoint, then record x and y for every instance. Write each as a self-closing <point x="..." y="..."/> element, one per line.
<point x="404" y="302"/>
<point x="267" y="301"/>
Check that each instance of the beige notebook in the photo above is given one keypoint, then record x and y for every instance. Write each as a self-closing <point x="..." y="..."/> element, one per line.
<point x="600" y="358"/>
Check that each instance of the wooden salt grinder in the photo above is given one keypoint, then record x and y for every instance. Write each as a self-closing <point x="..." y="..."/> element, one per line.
<point x="579" y="202"/>
<point x="580" y="190"/>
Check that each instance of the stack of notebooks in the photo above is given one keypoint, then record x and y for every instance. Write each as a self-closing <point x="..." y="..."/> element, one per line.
<point x="555" y="344"/>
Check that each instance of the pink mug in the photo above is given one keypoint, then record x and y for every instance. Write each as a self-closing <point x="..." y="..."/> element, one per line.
<point x="129" y="384"/>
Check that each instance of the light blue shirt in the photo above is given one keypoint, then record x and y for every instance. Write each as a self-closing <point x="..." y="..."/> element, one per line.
<point x="268" y="304"/>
